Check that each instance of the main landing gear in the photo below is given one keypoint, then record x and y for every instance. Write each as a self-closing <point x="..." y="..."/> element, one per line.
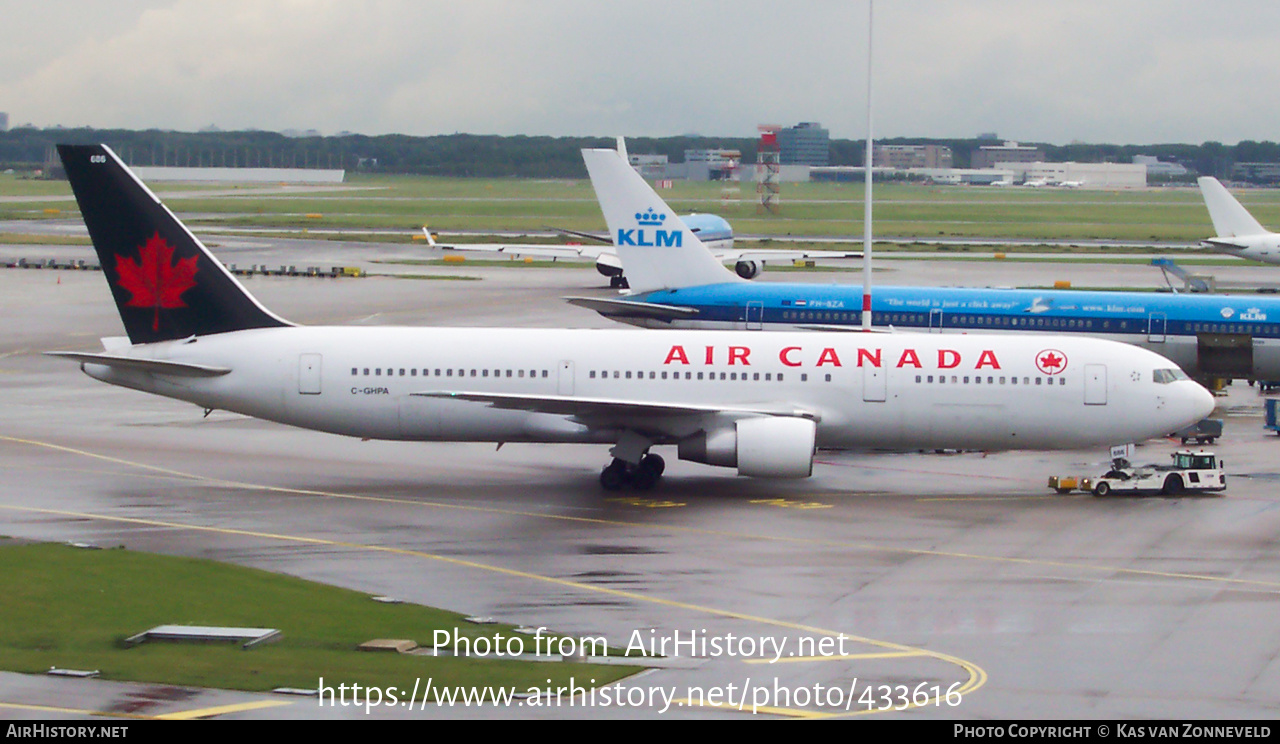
<point x="642" y="477"/>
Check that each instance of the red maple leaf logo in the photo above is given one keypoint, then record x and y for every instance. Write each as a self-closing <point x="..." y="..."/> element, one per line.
<point x="155" y="281"/>
<point x="1051" y="362"/>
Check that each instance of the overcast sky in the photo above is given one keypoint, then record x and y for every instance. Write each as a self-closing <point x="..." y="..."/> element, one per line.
<point x="1118" y="71"/>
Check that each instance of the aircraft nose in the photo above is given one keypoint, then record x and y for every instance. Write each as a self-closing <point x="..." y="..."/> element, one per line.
<point x="1203" y="401"/>
<point x="1194" y="402"/>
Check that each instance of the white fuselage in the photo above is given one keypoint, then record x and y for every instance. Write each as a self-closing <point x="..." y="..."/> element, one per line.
<point x="873" y="391"/>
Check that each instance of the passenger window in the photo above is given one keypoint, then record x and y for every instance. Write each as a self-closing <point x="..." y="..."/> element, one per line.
<point x="354" y="371"/>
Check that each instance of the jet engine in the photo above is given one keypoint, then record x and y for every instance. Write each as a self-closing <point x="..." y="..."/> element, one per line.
<point x="609" y="265"/>
<point x="767" y="447"/>
<point x="747" y="269"/>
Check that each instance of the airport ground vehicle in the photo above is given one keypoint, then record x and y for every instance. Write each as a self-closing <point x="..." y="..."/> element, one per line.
<point x="1206" y="431"/>
<point x="1273" y="415"/>
<point x="1190" y="472"/>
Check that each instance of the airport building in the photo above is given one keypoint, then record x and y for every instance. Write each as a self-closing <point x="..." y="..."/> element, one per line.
<point x="807" y="143"/>
<point x="711" y="165"/>
<point x="988" y="156"/>
<point x="652" y="167"/>
<point x="904" y="157"/>
<point x="1256" y="172"/>
<point x="1157" y="168"/>
<point x="1082" y="175"/>
<point x="4" y="121"/>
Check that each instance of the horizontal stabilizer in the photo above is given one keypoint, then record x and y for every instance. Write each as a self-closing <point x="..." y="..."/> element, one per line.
<point x="569" y="405"/>
<point x="631" y="309"/>
<point x="157" y="366"/>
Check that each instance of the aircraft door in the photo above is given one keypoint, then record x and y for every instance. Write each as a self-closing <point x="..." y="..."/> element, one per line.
<point x="755" y="316"/>
<point x="564" y="378"/>
<point x="1156" y="328"/>
<point x="1095" y="384"/>
<point x="935" y="321"/>
<point x="309" y="374"/>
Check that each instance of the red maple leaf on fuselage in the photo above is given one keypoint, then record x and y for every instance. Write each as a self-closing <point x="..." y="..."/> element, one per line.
<point x="155" y="281"/>
<point x="1049" y="361"/>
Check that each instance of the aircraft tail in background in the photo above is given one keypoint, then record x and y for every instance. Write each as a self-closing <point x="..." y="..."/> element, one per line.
<point x="657" y="249"/>
<point x="1238" y="233"/>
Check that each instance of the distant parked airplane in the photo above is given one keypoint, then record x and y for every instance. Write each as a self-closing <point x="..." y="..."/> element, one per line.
<point x="1239" y="234"/>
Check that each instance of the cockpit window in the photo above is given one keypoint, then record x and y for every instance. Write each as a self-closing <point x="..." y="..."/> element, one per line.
<point x="1166" y="376"/>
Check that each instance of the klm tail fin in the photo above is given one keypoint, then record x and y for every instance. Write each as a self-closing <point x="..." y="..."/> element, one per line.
<point x="658" y="251"/>
<point x="165" y="283"/>
<point x="1230" y="218"/>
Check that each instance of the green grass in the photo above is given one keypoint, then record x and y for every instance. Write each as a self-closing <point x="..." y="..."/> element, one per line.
<point x="11" y="238"/>
<point x="72" y="608"/>
<point x="807" y="209"/>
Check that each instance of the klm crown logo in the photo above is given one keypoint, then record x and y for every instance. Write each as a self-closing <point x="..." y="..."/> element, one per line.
<point x="650" y="217"/>
<point x="660" y="238"/>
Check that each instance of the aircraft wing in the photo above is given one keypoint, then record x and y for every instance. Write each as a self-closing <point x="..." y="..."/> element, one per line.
<point x="158" y="366"/>
<point x="614" y="408"/>
<point x="535" y="251"/>
<point x="632" y="309"/>
<point x="826" y="328"/>
<point x="584" y="235"/>
<point x="785" y="255"/>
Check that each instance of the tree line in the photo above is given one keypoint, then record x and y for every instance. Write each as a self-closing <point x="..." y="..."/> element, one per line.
<point x="493" y="156"/>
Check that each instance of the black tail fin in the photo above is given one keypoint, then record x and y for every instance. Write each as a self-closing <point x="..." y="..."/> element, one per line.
<point x="165" y="282"/>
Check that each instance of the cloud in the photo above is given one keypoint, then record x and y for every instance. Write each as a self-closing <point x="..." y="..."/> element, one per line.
<point x="1139" y="71"/>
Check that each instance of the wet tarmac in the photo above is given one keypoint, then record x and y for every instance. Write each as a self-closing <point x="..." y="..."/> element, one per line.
<point x="926" y="572"/>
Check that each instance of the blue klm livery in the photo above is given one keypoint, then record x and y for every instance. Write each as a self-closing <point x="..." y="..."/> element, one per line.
<point x="1229" y="336"/>
<point x="1207" y="335"/>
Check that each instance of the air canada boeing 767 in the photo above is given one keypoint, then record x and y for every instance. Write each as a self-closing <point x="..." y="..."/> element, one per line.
<point x="757" y="402"/>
